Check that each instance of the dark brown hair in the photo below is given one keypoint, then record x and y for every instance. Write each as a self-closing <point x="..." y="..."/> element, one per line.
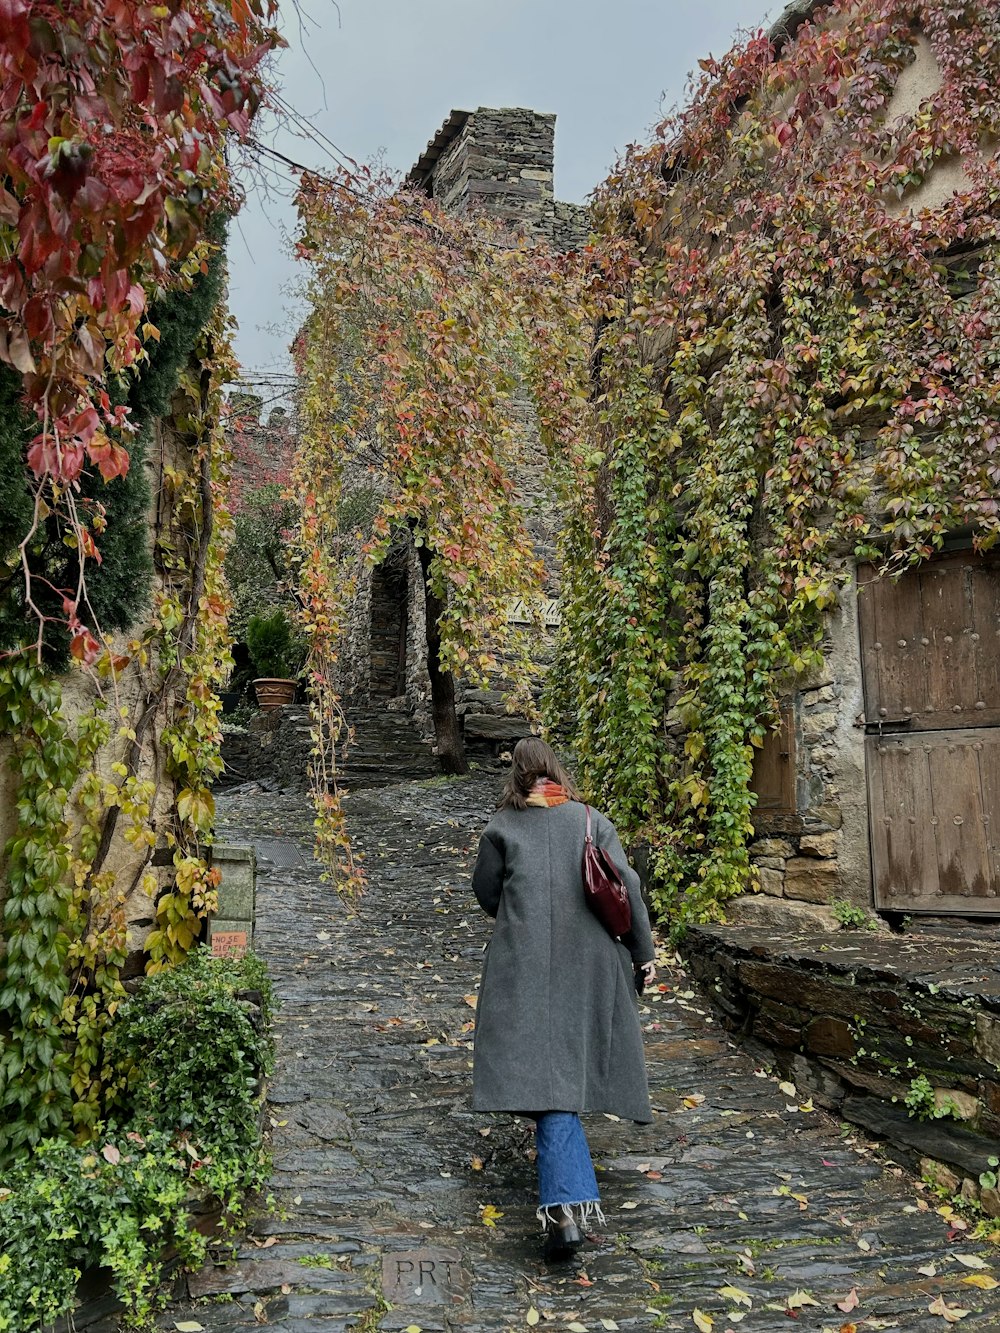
<point x="533" y="759"/>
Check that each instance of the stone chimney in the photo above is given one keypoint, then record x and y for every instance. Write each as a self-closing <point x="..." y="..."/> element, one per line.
<point x="500" y="161"/>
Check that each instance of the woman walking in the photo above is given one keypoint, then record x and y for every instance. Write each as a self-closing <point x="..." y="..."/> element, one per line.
<point x="557" y="1027"/>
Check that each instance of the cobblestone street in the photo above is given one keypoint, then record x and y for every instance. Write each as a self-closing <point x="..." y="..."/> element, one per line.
<point x="736" y="1203"/>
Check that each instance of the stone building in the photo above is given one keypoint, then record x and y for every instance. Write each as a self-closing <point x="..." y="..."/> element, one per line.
<point x="882" y="785"/>
<point x="499" y="162"/>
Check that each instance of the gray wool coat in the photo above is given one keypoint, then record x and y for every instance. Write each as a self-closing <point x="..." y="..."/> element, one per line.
<point x="557" y="1023"/>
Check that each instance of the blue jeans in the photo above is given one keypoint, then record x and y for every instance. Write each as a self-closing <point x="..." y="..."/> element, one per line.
<point x="565" y="1172"/>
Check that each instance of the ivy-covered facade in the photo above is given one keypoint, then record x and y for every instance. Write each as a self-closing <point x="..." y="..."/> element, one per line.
<point x="778" y="590"/>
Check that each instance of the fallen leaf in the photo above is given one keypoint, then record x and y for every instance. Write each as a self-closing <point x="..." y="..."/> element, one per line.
<point x="703" y="1321"/>
<point x="576" y="1327"/>
<point x="735" y="1295"/>
<point x="609" y="1324"/>
<point x="413" y="1328"/>
<point x="787" y="1088"/>
<point x="532" y="1317"/>
<point x="489" y="1216"/>
<point x="864" y="1245"/>
<point x="189" y="1326"/>
<point x="476" y="1163"/>
<point x="694" y="1100"/>
<point x="798" y="1299"/>
<point x="969" y="1260"/>
<point x="928" y="1270"/>
<point x="981" y="1280"/>
<point x="630" y="1206"/>
<point x="951" y="1313"/>
<point x="471" y="1000"/>
<point x="849" y="1302"/>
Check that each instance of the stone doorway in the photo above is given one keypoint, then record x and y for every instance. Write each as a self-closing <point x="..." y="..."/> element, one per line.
<point x="389" y="624"/>
<point x="930" y="648"/>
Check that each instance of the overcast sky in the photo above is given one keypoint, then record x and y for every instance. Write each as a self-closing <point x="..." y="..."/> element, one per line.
<point x="378" y="77"/>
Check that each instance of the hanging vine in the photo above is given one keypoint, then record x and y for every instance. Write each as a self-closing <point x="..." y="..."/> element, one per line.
<point x="410" y="360"/>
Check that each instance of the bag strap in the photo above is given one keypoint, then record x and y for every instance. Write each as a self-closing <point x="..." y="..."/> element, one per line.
<point x="589" y="837"/>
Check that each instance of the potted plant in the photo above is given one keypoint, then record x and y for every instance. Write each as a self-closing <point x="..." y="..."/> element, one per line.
<point x="276" y="657"/>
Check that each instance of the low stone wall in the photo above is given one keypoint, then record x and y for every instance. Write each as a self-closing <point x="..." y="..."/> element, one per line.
<point x="862" y="1022"/>
<point x="273" y="750"/>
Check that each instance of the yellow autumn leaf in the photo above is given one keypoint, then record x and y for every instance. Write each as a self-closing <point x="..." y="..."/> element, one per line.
<point x="532" y="1317"/>
<point x="609" y="1324"/>
<point x="736" y="1295"/>
<point x="981" y="1280"/>
<point x="476" y="1163"/>
<point x="950" y="1313"/>
<point x="489" y="1216"/>
<point x="704" y="1322"/>
<point x="576" y="1327"/>
<point x="798" y="1299"/>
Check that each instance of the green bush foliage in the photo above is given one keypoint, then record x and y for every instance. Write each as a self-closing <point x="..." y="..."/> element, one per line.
<point x="274" y="649"/>
<point x="257" y="565"/>
<point x="185" y="1129"/>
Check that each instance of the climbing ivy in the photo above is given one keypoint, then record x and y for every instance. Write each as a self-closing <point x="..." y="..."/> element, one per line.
<point x="83" y="781"/>
<point x="786" y="361"/>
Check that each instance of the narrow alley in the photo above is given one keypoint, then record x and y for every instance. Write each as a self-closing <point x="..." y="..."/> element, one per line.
<point x="396" y="1207"/>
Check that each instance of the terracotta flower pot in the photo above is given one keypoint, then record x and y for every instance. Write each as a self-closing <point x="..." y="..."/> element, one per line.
<point x="272" y="693"/>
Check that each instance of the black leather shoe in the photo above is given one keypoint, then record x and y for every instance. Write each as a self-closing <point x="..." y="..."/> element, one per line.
<point x="562" y="1239"/>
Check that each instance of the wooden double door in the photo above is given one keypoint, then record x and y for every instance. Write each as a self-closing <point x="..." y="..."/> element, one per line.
<point x="931" y="668"/>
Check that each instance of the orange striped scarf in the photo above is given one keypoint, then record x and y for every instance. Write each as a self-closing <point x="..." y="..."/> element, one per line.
<point x="545" y="793"/>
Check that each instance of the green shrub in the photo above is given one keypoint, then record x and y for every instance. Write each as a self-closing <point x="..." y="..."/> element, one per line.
<point x="274" y="649"/>
<point x="190" y="1050"/>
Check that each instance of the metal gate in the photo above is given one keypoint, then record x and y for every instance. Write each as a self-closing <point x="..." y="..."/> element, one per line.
<point x="931" y="667"/>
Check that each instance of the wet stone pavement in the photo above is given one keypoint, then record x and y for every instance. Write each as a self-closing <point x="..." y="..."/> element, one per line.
<point x="737" y="1209"/>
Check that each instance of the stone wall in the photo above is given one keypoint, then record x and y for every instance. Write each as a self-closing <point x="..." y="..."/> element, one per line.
<point x="900" y="1035"/>
<point x="272" y="750"/>
<point x="140" y="872"/>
